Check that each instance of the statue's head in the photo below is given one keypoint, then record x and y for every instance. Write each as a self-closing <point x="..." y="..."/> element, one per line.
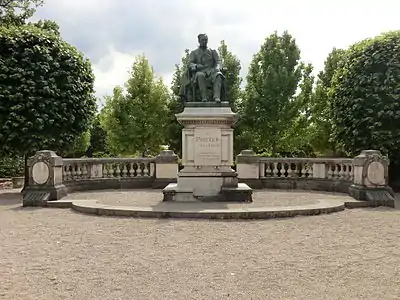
<point x="203" y="40"/>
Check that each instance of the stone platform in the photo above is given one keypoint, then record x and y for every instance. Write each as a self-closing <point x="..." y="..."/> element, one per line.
<point x="265" y="205"/>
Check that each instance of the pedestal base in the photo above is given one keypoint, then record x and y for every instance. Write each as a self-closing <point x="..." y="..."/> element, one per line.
<point x="38" y="195"/>
<point x="375" y="196"/>
<point x="207" y="156"/>
<point x="241" y="193"/>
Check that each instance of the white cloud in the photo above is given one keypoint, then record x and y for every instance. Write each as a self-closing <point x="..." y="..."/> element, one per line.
<point x="110" y="71"/>
<point x="163" y="29"/>
<point x="113" y="70"/>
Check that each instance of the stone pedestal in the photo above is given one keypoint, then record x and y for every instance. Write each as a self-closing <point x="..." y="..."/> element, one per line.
<point x="371" y="179"/>
<point x="207" y="156"/>
<point x="45" y="179"/>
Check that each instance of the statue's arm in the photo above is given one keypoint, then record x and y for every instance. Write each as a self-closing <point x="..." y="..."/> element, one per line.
<point x="192" y="61"/>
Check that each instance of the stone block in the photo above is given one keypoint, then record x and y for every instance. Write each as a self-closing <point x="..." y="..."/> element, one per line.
<point x="45" y="176"/>
<point x="166" y="165"/>
<point x="371" y="179"/>
<point x="248" y="165"/>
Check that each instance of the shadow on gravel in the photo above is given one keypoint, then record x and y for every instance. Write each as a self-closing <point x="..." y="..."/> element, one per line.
<point x="10" y="198"/>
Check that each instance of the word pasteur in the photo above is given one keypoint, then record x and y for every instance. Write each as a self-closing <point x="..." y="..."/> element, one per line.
<point x="207" y="147"/>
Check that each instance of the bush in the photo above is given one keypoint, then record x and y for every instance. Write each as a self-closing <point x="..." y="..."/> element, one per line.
<point x="11" y="166"/>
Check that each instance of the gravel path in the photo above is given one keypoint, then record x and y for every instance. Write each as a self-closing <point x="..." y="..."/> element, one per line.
<point x="59" y="254"/>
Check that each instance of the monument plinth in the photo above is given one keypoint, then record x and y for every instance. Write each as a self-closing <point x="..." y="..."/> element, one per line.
<point x="207" y="156"/>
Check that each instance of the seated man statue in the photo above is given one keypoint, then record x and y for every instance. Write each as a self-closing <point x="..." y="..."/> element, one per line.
<point x="205" y="72"/>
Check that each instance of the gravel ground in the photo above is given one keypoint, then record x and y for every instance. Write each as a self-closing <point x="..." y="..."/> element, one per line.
<point x="59" y="254"/>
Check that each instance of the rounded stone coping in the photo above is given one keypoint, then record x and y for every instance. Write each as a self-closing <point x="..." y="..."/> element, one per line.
<point x="93" y="207"/>
<point x="294" y="204"/>
<point x="153" y="197"/>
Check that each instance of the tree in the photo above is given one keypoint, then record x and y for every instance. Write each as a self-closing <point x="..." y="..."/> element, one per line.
<point x="17" y="12"/>
<point x="270" y="107"/>
<point x="46" y="91"/>
<point x="231" y="64"/>
<point x="174" y="130"/>
<point x="365" y="97"/>
<point x="321" y="103"/>
<point x="48" y="25"/>
<point x="98" y="138"/>
<point x="136" y="121"/>
<point x="78" y="147"/>
<point x="298" y="134"/>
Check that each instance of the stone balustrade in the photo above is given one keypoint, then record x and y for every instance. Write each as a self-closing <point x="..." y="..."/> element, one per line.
<point x="96" y="168"/>
<point x="326" y="174"/>
<point x="327" y="168"/>
<point x="363" y="177"/>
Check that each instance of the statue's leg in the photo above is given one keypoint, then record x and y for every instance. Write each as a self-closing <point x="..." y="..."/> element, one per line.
<point x="217" y="88"/>
<point x="201" y="80"/>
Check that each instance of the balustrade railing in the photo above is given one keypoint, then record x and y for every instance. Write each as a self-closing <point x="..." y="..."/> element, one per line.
<point x="269" y="167"/>
<point x="327" y="168"/>
<point x="96" y="168"/>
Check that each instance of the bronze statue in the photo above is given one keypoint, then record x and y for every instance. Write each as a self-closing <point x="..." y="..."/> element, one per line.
<point x="204" y="79"/>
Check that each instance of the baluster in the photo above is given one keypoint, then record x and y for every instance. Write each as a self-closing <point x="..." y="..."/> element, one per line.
<point x="145" y="169"/>
<point x="69" y="171"/>
<point x="310" y="167"/>
<point x="117" y="171"/>
<point x="65" y="172"/>
<point x="295" y="171"/>
<point x="78" y="172"/>
<point x="351" y="172"/>
<point x="135" y="168"/>
<point x="110" y="170"/>
<point x="124" y="170"/>
<point x="341" y="172"/>
<point x="301" y="169"/>
<point x="269" y="169"/>
<point x="289" y="170"/>
<point x="276" y="170"/>
<point x="84" y="171"/>
<point x="105" y="171"/>
<point x="335" y="172"/>
<point x="330" y="173"/>
<point x="130" y="170"/>
<point x="73" y="171"/>
<point x="346" y="172"/>
<point x="285" y="172"/>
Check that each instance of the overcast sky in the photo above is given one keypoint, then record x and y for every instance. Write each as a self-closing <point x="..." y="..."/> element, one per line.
<point x="111" y="32"/>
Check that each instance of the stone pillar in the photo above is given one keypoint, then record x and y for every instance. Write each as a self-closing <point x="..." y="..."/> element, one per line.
<point x="319" y="170"/>
<point x="45" y="179"/>
<point x="166" y="168"/>
<point x="248" y="168"/>
<point x="371" y="179"/>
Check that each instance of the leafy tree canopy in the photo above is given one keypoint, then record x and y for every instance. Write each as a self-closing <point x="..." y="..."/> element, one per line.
<point x="271" y="107"/>
<point x="321" y="104"/>
<point x="46" y="90"/>
<point x="17" y="12"/>
<point x="366" y="96"/>
<point x="135" y="119"/>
